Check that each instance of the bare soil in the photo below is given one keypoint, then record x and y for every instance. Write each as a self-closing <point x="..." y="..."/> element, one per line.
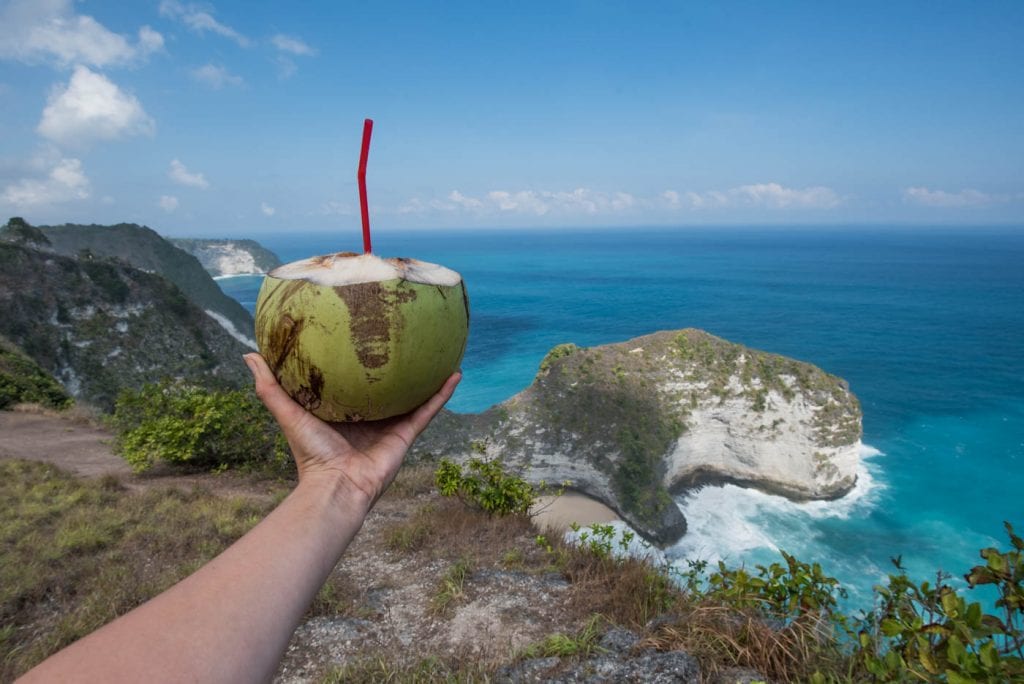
<point x="86" y="449"/>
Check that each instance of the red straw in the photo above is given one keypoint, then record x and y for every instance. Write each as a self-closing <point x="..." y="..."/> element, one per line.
<point x="363" y="205"/>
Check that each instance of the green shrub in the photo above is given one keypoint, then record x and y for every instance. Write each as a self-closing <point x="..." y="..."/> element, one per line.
<point x="184" y="424"/>
<point x="917" y="632"/>
<point x="23" y="381"/>
<point x="557" y="352"/>
<point x="933" y="633"/>
<point x="780" y="591"/>
<point x="485" y="485"/>
<point x="603" y="541"/>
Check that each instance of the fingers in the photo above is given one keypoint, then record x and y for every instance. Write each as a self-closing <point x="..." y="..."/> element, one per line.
<point x="422" y="416"/>
<point x="277" y="401"/>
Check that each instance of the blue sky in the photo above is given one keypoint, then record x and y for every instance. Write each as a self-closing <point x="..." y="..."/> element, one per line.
<point x="245" y="117"/>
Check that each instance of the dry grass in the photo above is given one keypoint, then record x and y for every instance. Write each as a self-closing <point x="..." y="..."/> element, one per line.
<point x="447" y="529"/>
<point x="412" y="481"/>
<point x="721" y="636"/>
<point x="627" y="591"/>
<point x="78" y="553"/>
<point x="375" y="668"/>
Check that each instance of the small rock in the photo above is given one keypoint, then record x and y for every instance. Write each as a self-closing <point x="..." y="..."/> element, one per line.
<point x="533" y="670"/>
<point x="619" y="640"/>
<point x="659" y="668"/>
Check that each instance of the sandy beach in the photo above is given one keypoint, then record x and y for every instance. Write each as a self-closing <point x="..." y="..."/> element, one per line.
<point x="556" y="513"/>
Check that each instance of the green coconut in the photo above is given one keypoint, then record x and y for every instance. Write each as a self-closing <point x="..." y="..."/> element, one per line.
<point x="357" y="337"/>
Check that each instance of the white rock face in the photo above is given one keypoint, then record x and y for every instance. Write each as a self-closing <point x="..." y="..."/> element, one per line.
<point x="229" y="260"/>
<point x="776" y="449"/>
<point x="629" y="423"/>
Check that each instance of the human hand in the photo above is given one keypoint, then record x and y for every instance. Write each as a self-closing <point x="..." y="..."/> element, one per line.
<point x="362" y="457"/>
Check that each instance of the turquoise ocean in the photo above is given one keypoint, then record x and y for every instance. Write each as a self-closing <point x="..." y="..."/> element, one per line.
<point x="926" y="324"/>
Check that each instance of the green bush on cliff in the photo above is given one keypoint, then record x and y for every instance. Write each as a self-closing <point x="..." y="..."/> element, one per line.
<point x="23" y="381"/>
<point x="557" y="352"/>
<point x="181" y="423"/>
<point x="917" y="632"/>
<point x="485" y="485"/>
<point x="933" y="633"/>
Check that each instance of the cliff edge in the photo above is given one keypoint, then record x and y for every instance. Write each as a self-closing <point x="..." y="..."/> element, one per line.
<point x="635" y="422"/>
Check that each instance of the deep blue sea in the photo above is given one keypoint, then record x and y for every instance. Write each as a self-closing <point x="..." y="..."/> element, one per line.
<point x="927" y="325"/>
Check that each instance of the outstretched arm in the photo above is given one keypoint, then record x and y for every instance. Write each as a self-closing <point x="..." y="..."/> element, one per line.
<point x="231" y="620"/>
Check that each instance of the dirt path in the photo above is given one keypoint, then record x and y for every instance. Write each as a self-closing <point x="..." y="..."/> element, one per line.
<point x="87" y="451"/>
<point x="73" y="447"/>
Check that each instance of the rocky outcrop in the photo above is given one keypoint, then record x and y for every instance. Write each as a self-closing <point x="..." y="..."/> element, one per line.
<point x="229" y="257"/>
<point x="632" y="423"/>
<point x="141" y="248"/>
<point x="620" y="656"/>
<point x="99" y="326"/>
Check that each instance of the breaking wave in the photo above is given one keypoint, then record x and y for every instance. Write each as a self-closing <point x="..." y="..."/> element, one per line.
<point x="736" y="524"/>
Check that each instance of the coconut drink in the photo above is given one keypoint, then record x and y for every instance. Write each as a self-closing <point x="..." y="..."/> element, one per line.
<point x="356" y="337"/>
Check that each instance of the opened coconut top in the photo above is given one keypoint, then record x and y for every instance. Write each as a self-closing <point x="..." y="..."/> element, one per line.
<point x="349" y="268"/>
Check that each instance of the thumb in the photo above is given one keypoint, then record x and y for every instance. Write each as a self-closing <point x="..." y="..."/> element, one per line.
<point x="284" y="409"/>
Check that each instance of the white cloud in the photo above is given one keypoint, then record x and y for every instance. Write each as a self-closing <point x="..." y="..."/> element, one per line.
<point x="766" y="195"/>
<point x="267" y="209"/>
<point x="941" y="198"/>
<point x="778" y="197"/>
<point x="538" y="203"/>
<point x="92" y="107"/>
<point x="49" y="31"/>
<point x="336" y="208"/>
<point x="587" y="202"/>
<point x="286" y="67"/>
<point x="66" y="181"/>
<point x="292" y="45"/>
<point x="168" y="203"/>
<point x="465" y="202"/>
<point x="532" y="202"/>
<point x="150" y="41"/>
<point x="216" y="77"/>
<point x="199" y="20"/>
<point x="181" y="175"/>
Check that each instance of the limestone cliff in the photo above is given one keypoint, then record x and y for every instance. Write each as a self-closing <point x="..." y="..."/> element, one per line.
<point x="99" y="326"/>
<point x="632" y="423"/>
<point x="229" y="257"/>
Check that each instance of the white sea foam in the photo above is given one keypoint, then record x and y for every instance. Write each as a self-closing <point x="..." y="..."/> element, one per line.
<point x="230" y="276"/>
<point x="726" y="522"/>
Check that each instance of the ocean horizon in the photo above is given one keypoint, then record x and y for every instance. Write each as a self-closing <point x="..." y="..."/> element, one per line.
<point x="927" y="326"/>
